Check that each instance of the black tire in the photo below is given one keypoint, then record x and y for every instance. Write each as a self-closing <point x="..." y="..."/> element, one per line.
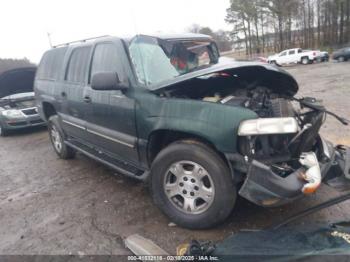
<point x="64" y="151"/>
<point x="225" y="193"/>
<point x="275" y="63"/>
<point x="3" y="131"/>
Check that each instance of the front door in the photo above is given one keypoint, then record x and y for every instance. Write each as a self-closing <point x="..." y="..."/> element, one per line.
<point x="282" y="58"/>
<point x="110" y="119"/>
<point x="292" y="56"/>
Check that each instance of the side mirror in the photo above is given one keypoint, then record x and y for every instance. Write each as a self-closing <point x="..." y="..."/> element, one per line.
<point x="107" y="81"/>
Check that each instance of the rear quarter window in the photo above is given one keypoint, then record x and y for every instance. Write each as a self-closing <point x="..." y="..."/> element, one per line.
<point x="51" y="64"/>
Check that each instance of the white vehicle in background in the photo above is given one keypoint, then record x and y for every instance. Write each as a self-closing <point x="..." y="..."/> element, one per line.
<point x="294" y="56"/>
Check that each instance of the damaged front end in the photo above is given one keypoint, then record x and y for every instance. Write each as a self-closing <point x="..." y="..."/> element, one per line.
<point x="278" y="153"/>
<point x="287" y="158"/>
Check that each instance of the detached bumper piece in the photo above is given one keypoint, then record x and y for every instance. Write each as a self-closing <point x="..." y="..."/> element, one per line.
<point x="265" y="188"/>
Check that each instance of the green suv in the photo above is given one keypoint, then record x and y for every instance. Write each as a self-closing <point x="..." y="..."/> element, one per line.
<point x="200" y="128"/>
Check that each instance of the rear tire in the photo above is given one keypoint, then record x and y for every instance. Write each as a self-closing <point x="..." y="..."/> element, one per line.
<point x="202" y="193"/>
<point x="57" y="138"/>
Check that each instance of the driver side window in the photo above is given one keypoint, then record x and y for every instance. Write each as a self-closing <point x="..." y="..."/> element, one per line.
<point x="105" y="59"/>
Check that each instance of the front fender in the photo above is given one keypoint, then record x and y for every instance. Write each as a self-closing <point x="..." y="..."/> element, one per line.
<point x="215" y="122"/>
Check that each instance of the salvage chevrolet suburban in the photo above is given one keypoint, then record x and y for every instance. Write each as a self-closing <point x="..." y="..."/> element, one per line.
<point x="199" y="128"/>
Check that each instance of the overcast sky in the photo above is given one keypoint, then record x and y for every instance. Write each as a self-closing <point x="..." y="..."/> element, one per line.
<point x="24" y="24"/>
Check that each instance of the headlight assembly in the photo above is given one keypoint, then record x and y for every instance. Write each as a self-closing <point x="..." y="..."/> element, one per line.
<point x="12" y="113"/>
<point x="268" y="126"/>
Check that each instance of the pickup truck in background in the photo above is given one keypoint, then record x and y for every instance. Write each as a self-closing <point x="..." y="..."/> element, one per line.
<point x="294" y="56"/>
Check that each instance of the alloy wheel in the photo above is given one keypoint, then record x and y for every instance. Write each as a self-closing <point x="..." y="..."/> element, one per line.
<point x="189" y="187"/>
<point x="56" y="139"/>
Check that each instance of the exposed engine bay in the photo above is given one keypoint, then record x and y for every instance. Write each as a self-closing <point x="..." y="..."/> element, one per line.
<point x="18" y="101"/>
<point x="281" y="151"/>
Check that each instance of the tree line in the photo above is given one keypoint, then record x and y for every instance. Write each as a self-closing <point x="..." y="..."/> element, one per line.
<point x="260" y="26"/>
<point x="221" y="37"/>
<point x="8" y="64"/>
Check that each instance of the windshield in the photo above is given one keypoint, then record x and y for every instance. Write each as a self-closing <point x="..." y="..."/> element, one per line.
<point x="157" y="60"/>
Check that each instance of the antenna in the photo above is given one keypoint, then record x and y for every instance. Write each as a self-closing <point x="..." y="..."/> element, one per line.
<point x="49" y="37"/>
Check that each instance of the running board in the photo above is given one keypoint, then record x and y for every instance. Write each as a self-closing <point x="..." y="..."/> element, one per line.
<point x="119" y="166"/>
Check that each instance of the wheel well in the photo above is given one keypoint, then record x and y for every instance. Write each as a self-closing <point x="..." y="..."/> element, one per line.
<point x="49" y="110"/>
<point x="160" y="139"/>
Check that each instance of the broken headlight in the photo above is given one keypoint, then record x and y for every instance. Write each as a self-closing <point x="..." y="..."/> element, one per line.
<point x="268" y="126"/>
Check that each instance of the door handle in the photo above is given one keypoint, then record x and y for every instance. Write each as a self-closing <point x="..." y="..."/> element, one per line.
<point x="87" y="99"/>
<point x="63" y="94"/>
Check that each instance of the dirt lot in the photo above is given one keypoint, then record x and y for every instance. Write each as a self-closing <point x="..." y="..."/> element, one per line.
<point x="52" y="206"/>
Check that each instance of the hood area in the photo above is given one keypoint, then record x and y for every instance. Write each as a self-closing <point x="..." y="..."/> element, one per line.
<point x="228" y="76"/>
<point x="20" y="80"/>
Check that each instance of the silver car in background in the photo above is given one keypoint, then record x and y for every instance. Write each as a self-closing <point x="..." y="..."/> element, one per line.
<point x="17" y="101"/>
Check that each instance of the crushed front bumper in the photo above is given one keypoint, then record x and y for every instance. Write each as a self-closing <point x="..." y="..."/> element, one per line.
<point x="265" y="188"/>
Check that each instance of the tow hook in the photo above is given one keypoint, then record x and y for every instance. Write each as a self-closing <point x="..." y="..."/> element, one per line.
<point x="312" y="174"/>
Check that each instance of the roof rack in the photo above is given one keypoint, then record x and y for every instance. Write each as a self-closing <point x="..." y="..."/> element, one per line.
<point x="80" y="41"/>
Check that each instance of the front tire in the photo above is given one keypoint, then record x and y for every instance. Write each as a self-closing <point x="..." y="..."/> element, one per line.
<point x="275" y="63"/>
<point x="57" y="139"/>
<point x="192" y="185"/>
<point x="341" y="59"/>
<point x="305" y="61"/>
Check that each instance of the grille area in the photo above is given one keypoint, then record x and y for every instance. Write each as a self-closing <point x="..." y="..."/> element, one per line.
<point x="30" y="111"/>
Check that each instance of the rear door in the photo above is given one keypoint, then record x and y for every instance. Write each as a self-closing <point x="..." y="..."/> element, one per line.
<point x="73" y="106"/>
<point x="111" y="118"/>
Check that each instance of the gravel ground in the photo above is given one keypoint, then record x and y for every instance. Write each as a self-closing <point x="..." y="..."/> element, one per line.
<point x="52" y="206"/>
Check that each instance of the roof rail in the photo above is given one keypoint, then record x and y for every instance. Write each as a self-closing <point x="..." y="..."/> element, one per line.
<point x="79" y="41"/>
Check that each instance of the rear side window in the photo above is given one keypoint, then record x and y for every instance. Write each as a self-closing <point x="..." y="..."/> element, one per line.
<point x="105" y="59"/>
<point x="78" y="64"/>
<point x="292" y="52"/>
<point x="51" y="64"/>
